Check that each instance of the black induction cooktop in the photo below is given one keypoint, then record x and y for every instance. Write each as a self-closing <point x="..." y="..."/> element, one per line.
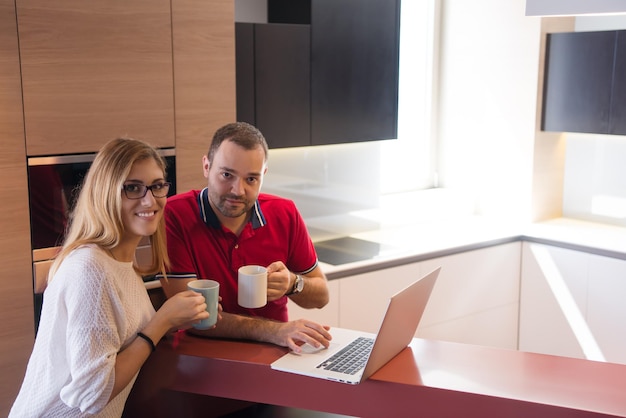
<point x="347" y="250"/>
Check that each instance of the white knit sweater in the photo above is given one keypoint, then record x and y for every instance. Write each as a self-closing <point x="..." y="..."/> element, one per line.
<point x="92" y="309"/>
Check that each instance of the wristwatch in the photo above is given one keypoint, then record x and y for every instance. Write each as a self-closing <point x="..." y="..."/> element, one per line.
<point x="298" y="285"/>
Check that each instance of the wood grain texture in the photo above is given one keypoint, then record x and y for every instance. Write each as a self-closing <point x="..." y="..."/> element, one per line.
<point x="93" y="71"/>
<point x="16" y="288"/>
<point x="204" y="81"/>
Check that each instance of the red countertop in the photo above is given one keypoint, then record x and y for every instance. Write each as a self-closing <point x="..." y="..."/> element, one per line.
<point x="432" y="378"/>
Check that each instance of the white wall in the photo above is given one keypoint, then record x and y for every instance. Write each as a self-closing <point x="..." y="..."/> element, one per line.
<point x="595" y="170"/>
<point x="490" y="69"/>
<point x="488" y="101"/>
<point x="488" y="79"/>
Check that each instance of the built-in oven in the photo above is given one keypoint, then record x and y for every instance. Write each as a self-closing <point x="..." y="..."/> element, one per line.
<point x="53" y="185"/>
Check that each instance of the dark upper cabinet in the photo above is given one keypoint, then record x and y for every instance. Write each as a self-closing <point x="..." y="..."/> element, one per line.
<point x="354" y="76"/>
<point x="577" y="90"/>
<point x="585" y="83"/>
<point x="332" y="81"/>
<point x="244" y="62"/>
<point x="289" y="11"/>
<point x="273" y="81"/>
<point x="618" y="102"/>
<point x="283" y="94"/>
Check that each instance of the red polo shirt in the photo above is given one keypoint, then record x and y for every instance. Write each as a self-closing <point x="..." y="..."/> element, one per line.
<point x="198" y="244"/>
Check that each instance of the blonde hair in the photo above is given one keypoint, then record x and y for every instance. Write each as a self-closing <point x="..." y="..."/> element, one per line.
<point x="97" y="216"/>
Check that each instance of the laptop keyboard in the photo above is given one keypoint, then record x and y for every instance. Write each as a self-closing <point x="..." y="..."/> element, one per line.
<point x="351" y="358"/>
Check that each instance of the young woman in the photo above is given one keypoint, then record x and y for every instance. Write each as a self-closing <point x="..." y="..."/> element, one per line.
<point x="98" y="325"/>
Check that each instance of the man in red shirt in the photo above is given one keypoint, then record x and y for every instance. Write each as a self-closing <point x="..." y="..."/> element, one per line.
<point x="229" y="224"/>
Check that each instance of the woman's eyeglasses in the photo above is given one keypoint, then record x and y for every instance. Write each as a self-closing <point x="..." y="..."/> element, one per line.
<point x="138" y="191"/>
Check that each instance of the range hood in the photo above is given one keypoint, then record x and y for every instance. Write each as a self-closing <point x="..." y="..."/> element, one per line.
<point x="574" y="7"/>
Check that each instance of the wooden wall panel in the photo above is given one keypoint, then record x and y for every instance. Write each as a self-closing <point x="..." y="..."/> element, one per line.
<point x="204" y="80"/>
<point x="92" y="71"/>
<point x="95" y="70"/>
<point x="16" y="288"/>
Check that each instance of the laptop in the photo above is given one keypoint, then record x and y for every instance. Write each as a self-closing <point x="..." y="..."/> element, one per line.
<point x="353" y="356"/>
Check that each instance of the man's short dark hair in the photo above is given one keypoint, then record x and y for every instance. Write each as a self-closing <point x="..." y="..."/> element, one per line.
<point x="242" y="134"/>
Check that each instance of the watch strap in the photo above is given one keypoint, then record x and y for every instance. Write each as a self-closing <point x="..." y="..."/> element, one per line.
<point x="298" y="284"/>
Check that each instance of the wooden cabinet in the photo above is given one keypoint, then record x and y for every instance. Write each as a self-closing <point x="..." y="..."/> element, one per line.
<point x="245" y="74"/>
<point x="606" y="310"/>
<point x="204" y="81"/>
<point x="475" y="300"/>
<point x="618" y="103"/>
<point x="17" y="330"/>
<point x="92" y="71"/>
<point x="544" y="326"/>
<point x="354" y="74"/>
<point x="585" y="82"/>
<point x="523" y="295"/>
<point x="332" y="81"/>
<point x="572" y="303"/>
<point x="363" y="298"/>
<point x="273" y="88"/>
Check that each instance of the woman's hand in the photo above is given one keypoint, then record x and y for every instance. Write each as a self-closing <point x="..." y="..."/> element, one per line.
<point x="183" y="310"/>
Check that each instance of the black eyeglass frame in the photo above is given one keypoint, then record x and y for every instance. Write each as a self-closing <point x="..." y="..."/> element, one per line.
<point x="164" y="185"/>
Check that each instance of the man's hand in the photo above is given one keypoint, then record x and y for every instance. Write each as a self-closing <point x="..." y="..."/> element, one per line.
<point x="290" y="334"/>
<point x="293" y="334"/>
<point x="279" y="280"/>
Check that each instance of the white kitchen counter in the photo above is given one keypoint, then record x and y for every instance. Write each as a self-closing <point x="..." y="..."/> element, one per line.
<point x="601" y="239"/>
<point x="425" y="240"/>
<point x="421" y="241"/>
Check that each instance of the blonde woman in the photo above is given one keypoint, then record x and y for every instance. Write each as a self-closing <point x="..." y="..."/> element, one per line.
<point x="98" y="325"/>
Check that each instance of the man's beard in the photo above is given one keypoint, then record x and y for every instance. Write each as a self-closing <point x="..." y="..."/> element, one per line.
<point x="224" y="208"/>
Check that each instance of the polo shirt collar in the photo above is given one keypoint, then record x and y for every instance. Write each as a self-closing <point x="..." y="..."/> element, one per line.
<point x="210" y="218"/>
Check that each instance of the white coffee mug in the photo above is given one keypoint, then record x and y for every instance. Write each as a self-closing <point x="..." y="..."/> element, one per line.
<point x="252" y="286"/>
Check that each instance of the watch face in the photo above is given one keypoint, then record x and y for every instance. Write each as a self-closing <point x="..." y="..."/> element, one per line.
<point x="299" y="284"/>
